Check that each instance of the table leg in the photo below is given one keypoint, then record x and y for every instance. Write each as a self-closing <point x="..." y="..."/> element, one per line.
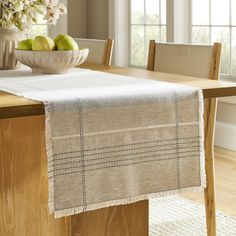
<point x="124" y="220"/>
<point x="209" y="117"/>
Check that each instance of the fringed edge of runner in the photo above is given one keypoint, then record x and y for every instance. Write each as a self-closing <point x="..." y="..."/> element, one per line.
<point x="77" y="210"/>
<point x="201" y="138"/>
<point x="48" y="134"/>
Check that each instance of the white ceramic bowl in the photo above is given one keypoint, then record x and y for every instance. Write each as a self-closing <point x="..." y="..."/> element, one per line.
<point x="51" y="62"/>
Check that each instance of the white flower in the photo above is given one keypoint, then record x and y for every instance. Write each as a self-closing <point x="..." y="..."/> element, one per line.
<point x="62" y="9"/>
<point x="5" y="16"/>
<point x="22" y="14"/>
<point x="19" y="6"/>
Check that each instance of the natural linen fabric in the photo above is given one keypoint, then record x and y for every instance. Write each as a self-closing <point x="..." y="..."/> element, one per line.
<point x="184" y="59"/>
<point x="97" y="49"/>
<point x="114" y="139"/>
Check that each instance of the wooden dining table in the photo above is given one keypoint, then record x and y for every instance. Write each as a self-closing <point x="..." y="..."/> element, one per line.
<point x="23" y="169"/>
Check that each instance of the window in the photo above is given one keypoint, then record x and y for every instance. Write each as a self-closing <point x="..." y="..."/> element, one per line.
<point x="215" y="21"/>
<point x="147" y="21"/>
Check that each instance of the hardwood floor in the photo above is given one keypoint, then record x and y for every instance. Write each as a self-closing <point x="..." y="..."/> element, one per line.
<point x="225" y="170"/>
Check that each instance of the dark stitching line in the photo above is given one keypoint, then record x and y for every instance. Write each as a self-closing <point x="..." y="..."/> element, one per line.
<point x="176" y="98"/>
<point x="124" y="154"/>
<point x="124" y="145"/>
<point x="81" y="125"/>
<point x="124" y="165"/>
<point x="118" y="161"/>
<point x="122" y="150"/>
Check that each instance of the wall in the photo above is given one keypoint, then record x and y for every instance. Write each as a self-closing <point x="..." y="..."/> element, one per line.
<point x="225" y="135"/>
<point x="88" y="18"/>
<point x="77" y="18"/>
<point x="97" y="19"/>
<point x="119" y="31"/>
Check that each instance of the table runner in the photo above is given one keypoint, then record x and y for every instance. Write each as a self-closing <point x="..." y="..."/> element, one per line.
<point x="115" y="139"/>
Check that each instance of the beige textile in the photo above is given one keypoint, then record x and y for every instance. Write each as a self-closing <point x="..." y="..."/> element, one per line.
<point x="97" y="49"/>
<point x="115" y="139"/>
<point x="183" y="59"/>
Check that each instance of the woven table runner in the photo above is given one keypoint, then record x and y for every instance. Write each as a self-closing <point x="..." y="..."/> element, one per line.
<point x="115" y="139"/>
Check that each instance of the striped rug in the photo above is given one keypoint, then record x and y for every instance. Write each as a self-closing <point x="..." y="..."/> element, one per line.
<point x="177" y="216"/>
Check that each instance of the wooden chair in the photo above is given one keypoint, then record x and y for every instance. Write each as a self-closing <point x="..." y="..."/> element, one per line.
<point x="100" y="51"/>
<point x="198" y="61"/>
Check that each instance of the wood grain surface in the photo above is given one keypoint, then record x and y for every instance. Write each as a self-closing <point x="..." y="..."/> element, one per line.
<point x="126" y="220"/>
<point x="210" y="117"/>
<point x="210" y="108"/>
<point x="14" y="106"/>
<point x="24" y="181"/>
<point x="151" y="55"/>
<point x="108" y="52"/>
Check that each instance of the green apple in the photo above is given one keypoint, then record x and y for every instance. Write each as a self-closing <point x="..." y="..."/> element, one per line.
<point x="43" y="43"/>
<point x="25" y="44"/>
<point x="60" y="37"/>
<point x="65" y="42"/>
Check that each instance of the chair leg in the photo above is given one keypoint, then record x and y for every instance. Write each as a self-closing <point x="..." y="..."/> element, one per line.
<point x="209" y="116"/>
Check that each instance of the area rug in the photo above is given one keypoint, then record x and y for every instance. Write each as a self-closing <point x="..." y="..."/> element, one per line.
<point x="177" y="216"/>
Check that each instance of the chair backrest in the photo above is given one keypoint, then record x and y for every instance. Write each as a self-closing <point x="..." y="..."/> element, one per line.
<point x="201" y="61"/>
<point x="100" y="51"/>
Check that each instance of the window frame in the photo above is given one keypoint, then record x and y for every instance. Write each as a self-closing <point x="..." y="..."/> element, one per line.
<point x="179" y="28"/>
<point x="230" y="26"/>
<point x="144" y="25"/>
<point x="169" y="27"/>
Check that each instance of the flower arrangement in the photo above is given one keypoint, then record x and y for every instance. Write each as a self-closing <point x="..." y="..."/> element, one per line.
<point x="21" y="14"/>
